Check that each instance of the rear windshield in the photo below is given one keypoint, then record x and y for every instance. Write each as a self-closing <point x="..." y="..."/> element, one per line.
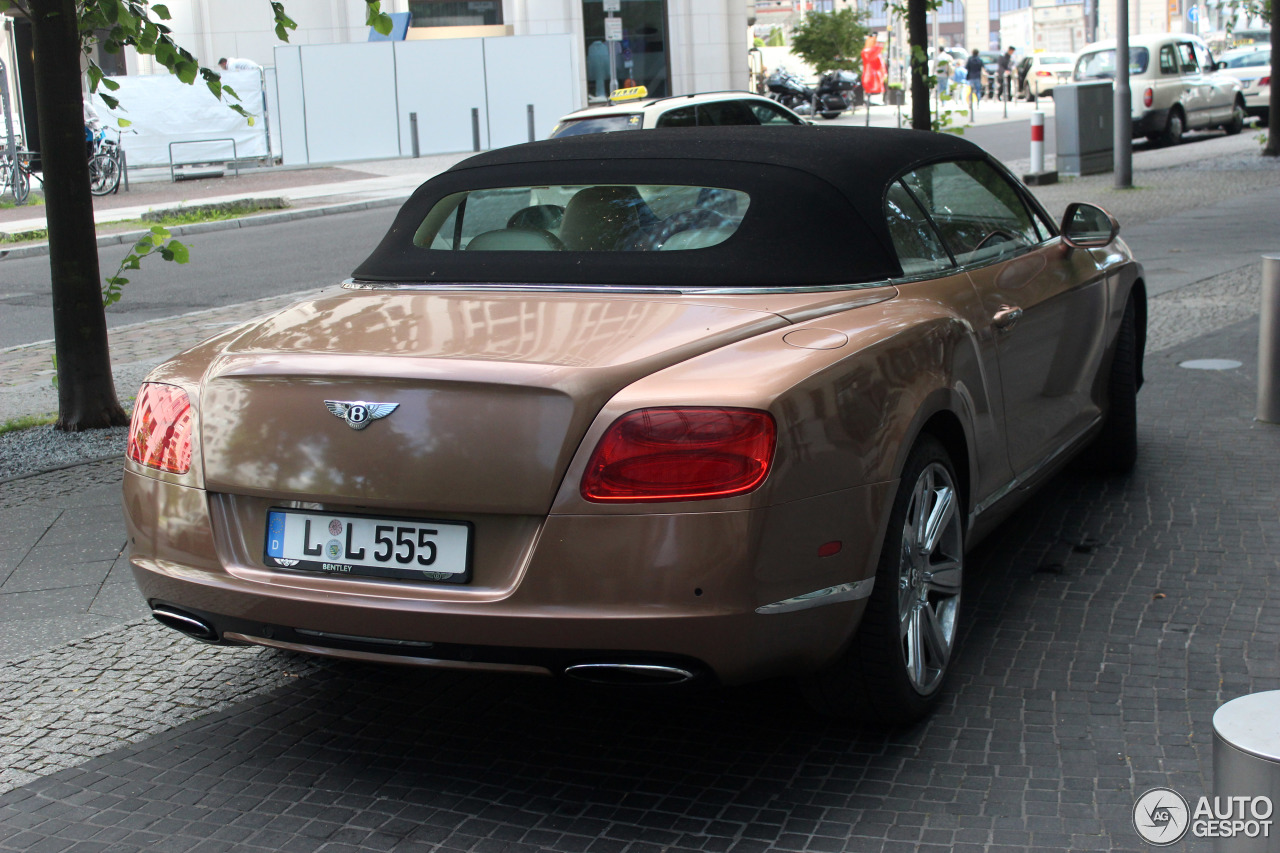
<point x="1101" y="64"/>
<point x="1248" y="60"/>
<point x="600" y="124"/>
<point x="1055" y="60"/>
<point x="583" y="218"/>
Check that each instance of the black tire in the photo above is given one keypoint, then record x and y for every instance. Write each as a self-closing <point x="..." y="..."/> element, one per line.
<point x="1115" y="449"/>
<point x="1173" y="129"/>
<point x="830" y="114"/>
<point x="21" y="185"/>
<point x="914" y="606"/>
<point x="104" y="174"/>
<point x="1237" y="120"/>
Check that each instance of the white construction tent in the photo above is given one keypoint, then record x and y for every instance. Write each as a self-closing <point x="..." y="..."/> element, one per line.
<point x="346" y="102"/>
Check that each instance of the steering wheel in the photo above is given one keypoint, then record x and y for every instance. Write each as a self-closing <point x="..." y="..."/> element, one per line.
<point x="999" y="232"/>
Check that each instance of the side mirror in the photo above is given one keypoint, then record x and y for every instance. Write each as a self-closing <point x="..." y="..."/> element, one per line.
<point x="1087" y="226"/>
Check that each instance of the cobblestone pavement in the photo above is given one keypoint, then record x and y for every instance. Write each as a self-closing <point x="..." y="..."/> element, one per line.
<point x="1106" y="621"/>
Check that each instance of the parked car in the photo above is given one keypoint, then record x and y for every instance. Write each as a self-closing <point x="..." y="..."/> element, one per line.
<point x="1174" y="85"/>
<point x="708" y="109"/>
<point x="1040" y="72"/>
<point x="612" y="408"/>
<point x="1252" y="67"/>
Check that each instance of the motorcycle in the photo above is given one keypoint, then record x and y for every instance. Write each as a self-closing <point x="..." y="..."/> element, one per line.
<point x="790" y="91"/>
<point x="837" y="91"/>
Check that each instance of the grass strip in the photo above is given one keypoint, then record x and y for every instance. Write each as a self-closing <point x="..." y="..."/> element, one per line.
<point x="167" y="217"/>
<point x="26" y="422"/>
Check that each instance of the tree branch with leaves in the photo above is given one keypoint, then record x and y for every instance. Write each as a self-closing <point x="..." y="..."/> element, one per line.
<point x="65" y="35"/>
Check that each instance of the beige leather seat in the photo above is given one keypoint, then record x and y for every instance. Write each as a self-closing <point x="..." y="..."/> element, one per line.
<point x="605" y="219"/>
<point x="515" y="240"/>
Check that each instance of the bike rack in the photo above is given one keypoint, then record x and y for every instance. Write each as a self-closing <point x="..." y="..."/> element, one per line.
<point x="235" y="157"/>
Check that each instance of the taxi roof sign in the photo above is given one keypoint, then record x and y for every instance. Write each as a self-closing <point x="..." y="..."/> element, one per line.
<point x="630" y="93"/>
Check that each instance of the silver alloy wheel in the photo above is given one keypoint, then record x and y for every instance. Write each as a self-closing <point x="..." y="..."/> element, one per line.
<point x="930" y="572"/>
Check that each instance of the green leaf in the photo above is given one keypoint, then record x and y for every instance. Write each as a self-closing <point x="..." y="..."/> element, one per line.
<point x="111" y="85"/>
<point x="95" y="76"/>
<point x="162" y="12"/>
<point x="165" y="54"/>
<point x="111" y="102"/>
<point x="160" y="231"/>
<point x="186" y="71"/>
<point x="110" y="10"/>
<point x="180" y="252"/>
<point x="376" y="18"/>
<point x="215" y="87"/>
<point x="231" y="92"/>
<point x="123" y="122"/>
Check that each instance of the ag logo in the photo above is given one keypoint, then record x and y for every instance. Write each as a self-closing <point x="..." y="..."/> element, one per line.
<point x="1161" y="817"/>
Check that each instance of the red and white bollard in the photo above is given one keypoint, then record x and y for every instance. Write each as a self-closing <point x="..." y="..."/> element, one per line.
<point x="1037" y="142"/>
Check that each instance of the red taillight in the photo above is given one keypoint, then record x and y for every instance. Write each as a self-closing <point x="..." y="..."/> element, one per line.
<point x="160" y="434"/>
<point x="1148" y="98"/>
<point x="684" y="454"/>
<point x="1264" y="81"/>
<point x="1044" y="73"/>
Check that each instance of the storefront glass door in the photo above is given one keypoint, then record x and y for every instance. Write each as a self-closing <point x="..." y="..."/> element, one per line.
<point x="640" y="58"/>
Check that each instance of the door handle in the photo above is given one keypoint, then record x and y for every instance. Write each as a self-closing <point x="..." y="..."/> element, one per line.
<point x="1006" y="317"/>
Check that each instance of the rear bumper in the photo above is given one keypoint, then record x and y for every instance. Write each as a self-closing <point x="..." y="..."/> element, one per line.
<point x="1150" y="123"/>
<point x="637" y="589"/>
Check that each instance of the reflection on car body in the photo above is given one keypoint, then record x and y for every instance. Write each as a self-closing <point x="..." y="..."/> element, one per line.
<point x="632" y="441"/>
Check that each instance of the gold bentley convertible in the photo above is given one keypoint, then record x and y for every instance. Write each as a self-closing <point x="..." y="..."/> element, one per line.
<point x="706" y="405"/>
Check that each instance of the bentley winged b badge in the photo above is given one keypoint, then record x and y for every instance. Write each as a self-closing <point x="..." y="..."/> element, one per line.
<point x="360" y="413"/>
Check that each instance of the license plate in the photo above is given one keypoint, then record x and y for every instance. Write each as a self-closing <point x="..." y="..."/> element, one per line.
<point x="400" y="548"/>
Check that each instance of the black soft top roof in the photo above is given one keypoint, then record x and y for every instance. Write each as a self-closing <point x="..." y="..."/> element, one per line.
<point x="816" y="214"/>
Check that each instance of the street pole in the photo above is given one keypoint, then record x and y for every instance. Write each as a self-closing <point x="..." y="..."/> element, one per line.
<point x="1122" y="112"/>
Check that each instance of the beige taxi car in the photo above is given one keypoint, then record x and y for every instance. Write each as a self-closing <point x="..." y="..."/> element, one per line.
<point x="1174" y="84"/>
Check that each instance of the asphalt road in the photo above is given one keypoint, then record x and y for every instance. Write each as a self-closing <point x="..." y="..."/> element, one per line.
<point x="226" y="267"/>
<point x="229" y="267"/>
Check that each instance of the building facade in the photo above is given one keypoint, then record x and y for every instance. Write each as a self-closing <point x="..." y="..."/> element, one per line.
<point x="672" y="47"/>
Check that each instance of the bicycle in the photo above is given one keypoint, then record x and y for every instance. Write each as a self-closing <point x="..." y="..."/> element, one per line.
<point x="15" y="175"/>
<point x="105" y="163"/>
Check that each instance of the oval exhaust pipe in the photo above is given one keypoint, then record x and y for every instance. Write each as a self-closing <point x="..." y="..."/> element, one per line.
<point x="178" y="620"/>
<point x="629" y="674"/>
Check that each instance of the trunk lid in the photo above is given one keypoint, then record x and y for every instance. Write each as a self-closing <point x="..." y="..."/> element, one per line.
<point x="493" y="392"/>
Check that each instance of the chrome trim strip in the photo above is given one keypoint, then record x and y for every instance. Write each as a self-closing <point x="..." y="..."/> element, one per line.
<point x="671" y="674"/>
<point x="621" y="289"/>
<point x="817" y="598"/>
<point x="325" y="635"/>
<point x="1003" y="492"/>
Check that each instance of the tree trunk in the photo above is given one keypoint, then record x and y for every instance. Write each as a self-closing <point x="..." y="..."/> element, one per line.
<point x="86" y="390"/>
<point x="918" y="46"/>
<point x="1272" y="148"/>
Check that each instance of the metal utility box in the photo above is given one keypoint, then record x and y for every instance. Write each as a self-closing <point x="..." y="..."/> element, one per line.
<point x="1084" y="117"/>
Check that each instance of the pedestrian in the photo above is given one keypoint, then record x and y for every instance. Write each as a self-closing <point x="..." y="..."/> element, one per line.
<point x="942" y="70"/>
<point x="234" y="64"/>
<point x="974" y="69"/>
<point x="1004" y="74"/>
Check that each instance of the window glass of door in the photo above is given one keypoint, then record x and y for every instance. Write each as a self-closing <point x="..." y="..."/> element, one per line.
<point x="447" y="13"/>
